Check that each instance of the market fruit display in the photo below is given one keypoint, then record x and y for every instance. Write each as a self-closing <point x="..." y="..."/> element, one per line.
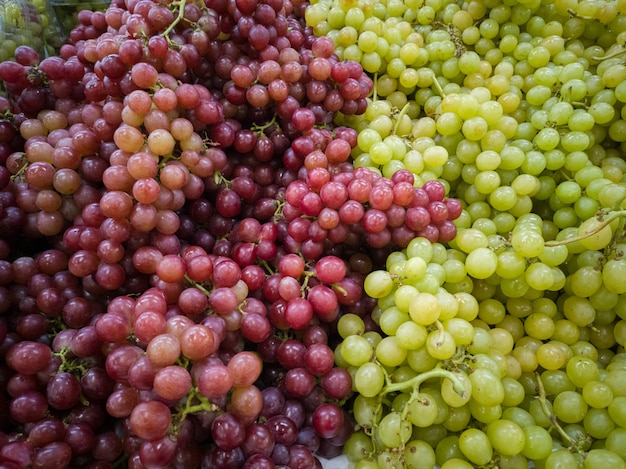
<point x="270" y="234"/>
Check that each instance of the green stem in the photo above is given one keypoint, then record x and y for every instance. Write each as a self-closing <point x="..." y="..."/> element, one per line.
<point x="612" y="55"/>
<point x="261" y="128"/>
<point x="268" y="269"/>
<point x="416" y="381"/>
<point x="375" y="95"/>
<point x="70" y="365"/>
<point x="543" y="400"/>
<point x="399" y="117"/>
<point x="178" y="19"/>
<point x="437" y="86"/>
<point x="194" y="403"/>
<point x="278" y="213"/>
<point x="22" y="168"/>
<point x="608" y="219"/>
<point x="582" y="17"/>
<point x="199" y="286"/>
<point x="305" y="283"/>
<point x="407" y="406"/>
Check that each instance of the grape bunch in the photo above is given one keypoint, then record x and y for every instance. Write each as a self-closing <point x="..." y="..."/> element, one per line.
<point x="514" y="110"/>
<point x="182" y="311"/>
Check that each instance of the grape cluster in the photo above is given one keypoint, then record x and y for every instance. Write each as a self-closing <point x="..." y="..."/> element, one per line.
<point x="513" y="108"/>
<point x="143" y="161"/>
<point x="182" y="310"/>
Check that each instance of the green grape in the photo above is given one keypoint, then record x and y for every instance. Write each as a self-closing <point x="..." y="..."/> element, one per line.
<point x="420" y="247"/>
<point x="600" y="458"/>
<point x="491" y="311"/>
<point x="527" y="243"/>
<point x="378" y="284"/>
<point x="440" y="345"/>
<point x="358" y="446"/>
<point x="470" y="239"/>
<point x="448" y="448"/>
<point x="369" y="379"/>
<point x="456" y="463"/>
<point x="389" y="352"/>
<point x="513" y="392"/>
<point x="458" y="418"/>
<point x="561" y="459"/>
<point x="393" y="430"/>
<point x="401" y="374"/>
<point x="487" y="388"/>
<point x="461" y="330"/>
<point x="551" y="356"/>
<point x="617" y="409"/>
<point x="424" y="308"/>
<point x="468" y="306"/>
<point x="612" y="273"/>
<point x="451" y="396"/>
<point x="481" y="342"/>
<point x="481" y="263"/>
<point x="402" y="296"/>
<point x="579" y="311"/>
<point x="350" y="324"/>
<point x="484" y="414"/>
<point x="419" y="454"/>
<point x="582" y="370"/>
<point x="356" y="350"/>
<point x="506" y="436"/>
<point x="598" y="423"/>
<point x="366" y="411"/>
<point x="423" y="410"/>
<point x="411" y="336"/>
<point x="539" y="276"/>
<point x="420" y="360"/>
<point x="476" y="446"/>
<point x="538" y="443"/>
<point x="475" y="128"/>
<point x="570" y="407"/>
<point x="616" y="442"/>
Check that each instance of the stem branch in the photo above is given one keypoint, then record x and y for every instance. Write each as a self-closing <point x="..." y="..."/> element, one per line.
<point x="608" y="219"/>
<point x="181" y="13"/>
<point x="416" y="381"/>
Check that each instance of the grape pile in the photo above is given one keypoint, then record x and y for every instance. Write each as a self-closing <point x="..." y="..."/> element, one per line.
<point x="505" y="344"/>
<point x="177" y="202"/>
<point x="260" y="234"/>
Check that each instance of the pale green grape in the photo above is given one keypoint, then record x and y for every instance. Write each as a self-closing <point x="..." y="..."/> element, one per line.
<point x="369" y="379"/>
<point x="378" y="284"/>
<point x="476" y="446"/>
<point x="356" y="350"/>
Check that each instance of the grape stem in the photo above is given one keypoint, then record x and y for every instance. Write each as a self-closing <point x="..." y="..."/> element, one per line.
<point x="70" y="365"/>
<point x="375" y="95"/>
<point x="582" y="17"/>
<point x="612" y="55"/>
<point x="199" y="286"/>
<point x="260" y="128"/>
<point x="603" y="224"/>
<point x="416" y="381"/>
<point x="572" y="443"/>
<point x="181" y="12"/>
<point x="194" y="403"/>
<point x="437" y="85"/>
<point x="399" y="117"/>
<point x="20" y="171"/>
